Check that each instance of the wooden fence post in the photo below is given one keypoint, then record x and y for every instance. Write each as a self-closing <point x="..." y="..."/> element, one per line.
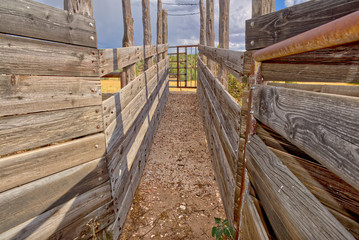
<point x="202" y="38"/>
<point x="165" y="29"/>
<point x="262" y="7"/>
<point x="210" y="31"/>
<point x="84" y="7"/>
<point x="147" y="36"/>
<point x="128" y="39"/>
<point x="159" y="27"/>
<point x="223" y="37"/>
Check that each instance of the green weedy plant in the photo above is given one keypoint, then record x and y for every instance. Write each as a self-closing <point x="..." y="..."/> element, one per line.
<point x="222" y="230"/>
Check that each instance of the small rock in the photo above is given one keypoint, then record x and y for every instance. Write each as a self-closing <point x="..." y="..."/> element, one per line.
<point x="182" y="207"/>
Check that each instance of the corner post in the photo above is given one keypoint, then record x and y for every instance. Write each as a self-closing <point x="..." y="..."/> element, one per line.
<point x="147" y="36"/>
<point x="223" y="37"/>
<point x="165" y="29"/>
<point x="128" y="39"/>
<point x="202" y="37"/>
<point x="159" y="28"/>
<point x="210" y="31"/>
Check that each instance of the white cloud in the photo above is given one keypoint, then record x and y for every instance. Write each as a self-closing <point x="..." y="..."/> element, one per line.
<point x="289" y="3"/>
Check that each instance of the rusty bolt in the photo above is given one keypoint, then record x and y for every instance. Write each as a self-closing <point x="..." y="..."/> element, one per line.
<point x="102" y="71"/>
<point x="104" y="108"/>
<point x="92" y="90"/>
<point x="98" y="126"/>
<point x="96" y="111"/>
<point x="93" y="53"/>
<point x="96" y="146"/>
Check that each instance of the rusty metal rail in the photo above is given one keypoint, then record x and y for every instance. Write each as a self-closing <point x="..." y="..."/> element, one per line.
<point x="338" y="32"/>
<point x="184" y="66"/>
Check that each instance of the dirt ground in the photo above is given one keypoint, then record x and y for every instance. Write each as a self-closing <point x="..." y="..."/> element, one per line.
<point x="177" y="197"/>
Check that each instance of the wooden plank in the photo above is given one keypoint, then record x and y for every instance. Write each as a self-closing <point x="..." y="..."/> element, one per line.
<point x="21" y="94"/>
<point x="326" y="186"/>
<point x="278" y="26"/>
<point x="22" y="168"/>
<point x="346" y="90"/>
<point x="55" y="221"/>
<point x="252" y="225"/>
<point x="226" y="135"/>
<point x="121" y="125"/>
<point x="230" y="107"/>
<point x="275" y="27"/>
<point x="230" y="60"/>
<point x="223" y="38"/>
<point x="165" y="29"/>
<point x="114" y="59"/>
<point x="310" y="72"/>
<point x="36" y="20"/>
<point x="119" y="159"/>
<point x="262" y="7"/>
<point x="159" y="27"/>
<point x="83" y="7"/>
<point x="202" y="38"/>
<point x="210" y="31"/>
<point x="23" y="203"/>
<point x="21" y="132"/>
<point x="324" y="126"/>
<point x="123" y="203"/>
<point x="36" y="57"/>
<point x="114" y="105"/>
<point x="215" y="154"/>
<point x="82" y="228"/>
<point x="147" y="36"/>
<point x="286" y="200"/>
<point x="351" y="225"/>
<point x="128" y="38"/>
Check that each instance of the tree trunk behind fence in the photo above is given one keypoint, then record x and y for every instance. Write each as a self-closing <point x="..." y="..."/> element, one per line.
<point x="83" y="7"/>
<point x="165" y="28"/>
<point x="202" y="38"/>
<point x="262" y="7"/>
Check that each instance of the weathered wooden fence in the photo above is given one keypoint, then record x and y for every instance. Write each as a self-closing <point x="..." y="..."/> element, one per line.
<point x="298" y="142"/>
<point x="70" y="163"/>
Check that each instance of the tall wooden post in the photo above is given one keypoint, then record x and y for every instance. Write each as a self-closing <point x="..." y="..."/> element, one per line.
<point x="83" y="7"/>
<point x="261" y="7"/>
<point x="128" y="39"/>
<point x="159" y="27"/>
<point x="147" y="36"/>
<point x="223" y="37"/>
<point x="202" y="36"/>
<point x="210" y="31"/>
<point x="165" y="29"/>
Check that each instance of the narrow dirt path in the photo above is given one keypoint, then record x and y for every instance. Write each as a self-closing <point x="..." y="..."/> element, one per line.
<point x="178" y="197"/>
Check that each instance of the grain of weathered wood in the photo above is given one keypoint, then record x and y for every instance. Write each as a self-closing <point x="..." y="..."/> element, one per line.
<point x="117" y="159"/>
<point x="330" y="190"/>
<point x="36" y="57"/>
<point x="32" y="19"/>
<point x="21" y="132"/>
<point x="210" y="31"/>
<point x="83" y="7"/>
<point x="147" y="35"/>
<point x="325" y="126"/>
<point x="215" y="153"/>
<point x="202" y="36"/>
<point x="159" y="27"/>
<point x="114" y="59"/>
<point x="114" y="105"/>
<point x="351" y="225"/>
<point x="231" y="60"/>
<point x="57" y="219"/>
<point x="23" y="203"/>
<point x="81" y="228"/>
<point x="223" y="37"/>
<point x="349" y="90"/>
<point x="123" y="122"/>
<point x="22" y="168"/>
<point x="252" y="225"/>
<point x="310" y="72"/>
<point x="20" y="94"/>
<point x="262" y="7"/>
<point x="275" y="27"/>
<point x="228" y="143"/>
<point x="286" y="200"/>
<point x="165" y="29"/>
<point x="230" y="107"/>
<point x="136" y="171"/>
<point x="128" y="37"/>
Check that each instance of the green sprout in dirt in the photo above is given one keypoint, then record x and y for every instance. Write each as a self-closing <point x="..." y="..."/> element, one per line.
<point x="222" y="230"/>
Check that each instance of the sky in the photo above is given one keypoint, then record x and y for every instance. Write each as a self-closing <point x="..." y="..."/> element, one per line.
<point x="182" y="30"/>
